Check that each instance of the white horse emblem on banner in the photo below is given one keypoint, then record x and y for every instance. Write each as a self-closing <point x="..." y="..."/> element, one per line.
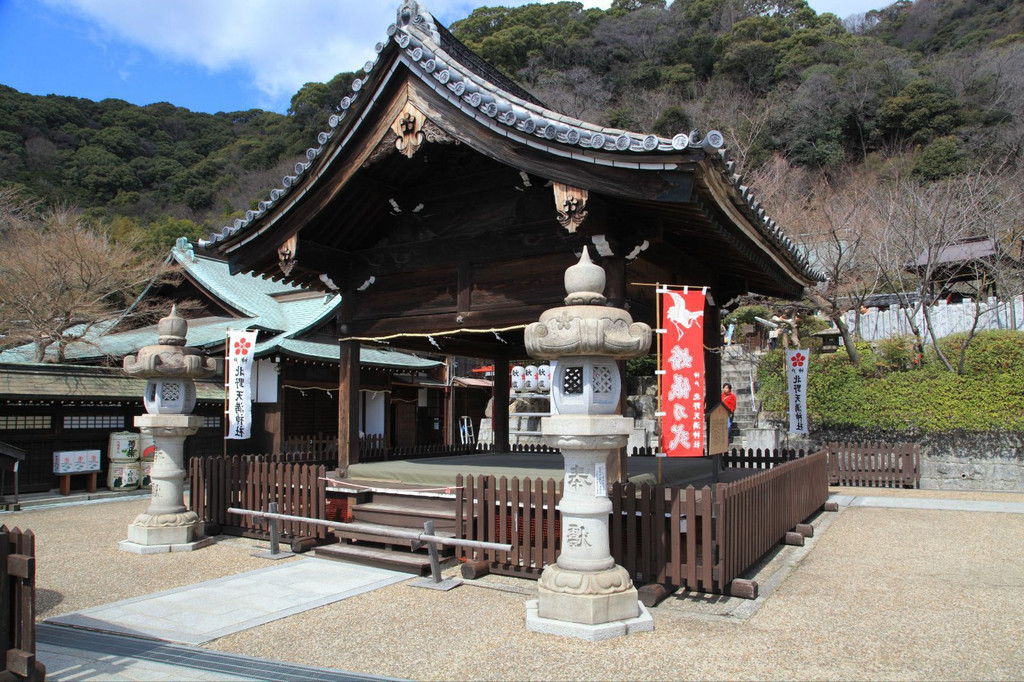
<point x="679" y="316"/>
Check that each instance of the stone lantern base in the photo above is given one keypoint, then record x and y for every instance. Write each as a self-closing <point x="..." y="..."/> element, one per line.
<point x="643" y="622"/>
<point x="167" y="525"/>
<point x="155" y="534"/>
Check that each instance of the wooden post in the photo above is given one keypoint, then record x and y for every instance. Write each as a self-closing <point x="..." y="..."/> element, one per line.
<point x="348" y="386"/>
<point x="615" y="291"/>
<point x="471" y="570"/>
<point x="348" y="404"/>
<point x="744" y="589"/>
<point x="712" y="361"/>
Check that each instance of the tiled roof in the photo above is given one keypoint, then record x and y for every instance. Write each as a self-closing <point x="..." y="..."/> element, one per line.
<point x="499" y="104"/>
<point x="43" y="381"/>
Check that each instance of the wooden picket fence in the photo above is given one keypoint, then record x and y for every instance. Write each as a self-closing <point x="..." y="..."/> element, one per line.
<point x="518" y="512"/>
<point x="742" y="458"/>
<point x="250" y="482"/>
<point x="373" y="449"/>
<point x="874" y="465"/>
<point x="320" y="447"/>
<point x="18" y="605"/>
<point x="755" y="513"/>
<point x="682" y="537"/>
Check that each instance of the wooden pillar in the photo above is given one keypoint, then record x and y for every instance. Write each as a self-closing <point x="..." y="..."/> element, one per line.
<point x="499" y="404"/>
<point x="348" y="404"/>
<point x="713" y="361"/>
<point x="615" y="292"/>
<point x="348" y="388"/>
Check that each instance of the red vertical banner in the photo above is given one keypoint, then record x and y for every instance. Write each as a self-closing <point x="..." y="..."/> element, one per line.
<point x="683" y="384"/>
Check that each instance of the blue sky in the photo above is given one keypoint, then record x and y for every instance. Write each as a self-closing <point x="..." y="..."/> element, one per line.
<point x="211" y="55"/>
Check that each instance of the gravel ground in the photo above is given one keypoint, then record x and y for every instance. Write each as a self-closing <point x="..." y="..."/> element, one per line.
<point x="876" y="594"/>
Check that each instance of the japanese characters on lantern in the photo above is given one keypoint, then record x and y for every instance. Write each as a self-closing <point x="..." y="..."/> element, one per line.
<point x="238" y="379"/>
<point x="683" y="385"/>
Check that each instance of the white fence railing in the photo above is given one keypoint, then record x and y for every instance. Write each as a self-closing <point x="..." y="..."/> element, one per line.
<point x="884" y="323"/>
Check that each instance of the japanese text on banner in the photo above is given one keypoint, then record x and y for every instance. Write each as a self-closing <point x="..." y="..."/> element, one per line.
<point x="796" y="381"/>
<point x="238" y="379"/>
<point x="683" y="384"/>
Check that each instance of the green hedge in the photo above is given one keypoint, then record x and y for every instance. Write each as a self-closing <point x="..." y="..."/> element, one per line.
<point x="892" y="388"/>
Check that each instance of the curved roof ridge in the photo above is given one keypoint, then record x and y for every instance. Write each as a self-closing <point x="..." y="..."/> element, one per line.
<point x="419" y="44"/>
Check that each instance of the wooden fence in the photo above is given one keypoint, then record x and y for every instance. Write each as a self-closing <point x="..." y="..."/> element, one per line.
<point x="373" y="449"/>
<point x="698" y="539"/>
<point x="320" y="447"/>
<point x="18" y="604"/>
<point x="741" y="458"/>
<point x="249" y="482"/>
<point x="874" y="465"/>
<point x="755" y="513"/>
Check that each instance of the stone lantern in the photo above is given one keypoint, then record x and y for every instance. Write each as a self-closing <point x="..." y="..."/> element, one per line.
<point x="170" y="370"/>
<point x="585" y="594"/>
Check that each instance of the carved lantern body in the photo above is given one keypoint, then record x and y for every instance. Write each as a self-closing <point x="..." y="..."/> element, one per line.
<point x="170" y="395"/>
<point x="586" y="384"/>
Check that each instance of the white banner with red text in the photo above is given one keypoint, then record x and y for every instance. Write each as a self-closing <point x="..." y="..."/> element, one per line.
<point x="682" y="383"/>
<point x="238" y="383"/>
<point x="796" y="382"/>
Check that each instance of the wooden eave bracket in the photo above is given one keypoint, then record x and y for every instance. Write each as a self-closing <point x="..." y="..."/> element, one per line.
<point x="287" y="254"/>
<point x="571" y="204"/>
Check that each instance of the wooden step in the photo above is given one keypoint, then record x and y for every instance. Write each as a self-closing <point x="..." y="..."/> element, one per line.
<point x="400" y="516"/>
<point x="365" y="532"/>
<point x="422" y="501"/>
<point x="406" y="562"/>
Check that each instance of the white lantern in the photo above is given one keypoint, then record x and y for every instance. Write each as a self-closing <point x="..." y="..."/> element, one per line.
<point x="530" y="378"/>
<point x="544" y="378"/>
<point x="518" y="378"/>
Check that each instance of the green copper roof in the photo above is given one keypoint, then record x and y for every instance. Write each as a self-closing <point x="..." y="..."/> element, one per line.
<point x="283" y="310"/>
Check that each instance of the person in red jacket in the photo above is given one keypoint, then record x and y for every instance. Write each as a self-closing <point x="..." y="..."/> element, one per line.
<point x="729" y="400"/>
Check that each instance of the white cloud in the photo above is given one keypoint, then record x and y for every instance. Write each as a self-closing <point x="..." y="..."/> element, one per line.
<point x="280" y="45"/>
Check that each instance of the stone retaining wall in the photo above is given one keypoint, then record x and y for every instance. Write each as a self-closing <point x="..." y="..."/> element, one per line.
<point x="992" y="460"/>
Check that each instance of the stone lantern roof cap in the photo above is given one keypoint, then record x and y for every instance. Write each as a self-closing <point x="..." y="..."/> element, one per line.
<point x="170" y="358"/>
<point x="586" y="325"/>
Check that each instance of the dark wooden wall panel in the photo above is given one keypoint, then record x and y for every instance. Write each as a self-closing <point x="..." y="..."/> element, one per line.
<point x="538" y="280"/>
<point x="401" y="294"/>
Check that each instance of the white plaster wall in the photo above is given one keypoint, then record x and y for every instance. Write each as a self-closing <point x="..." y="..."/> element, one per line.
<point x="373" y="412"/>
<point x="266" y="381"/>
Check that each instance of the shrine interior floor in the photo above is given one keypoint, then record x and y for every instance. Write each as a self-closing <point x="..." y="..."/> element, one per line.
<point x="441" y="471"/>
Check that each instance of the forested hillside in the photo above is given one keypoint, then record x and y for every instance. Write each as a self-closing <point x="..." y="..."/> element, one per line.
<point x="821" y="113"/>
<point x="150" y="174"/>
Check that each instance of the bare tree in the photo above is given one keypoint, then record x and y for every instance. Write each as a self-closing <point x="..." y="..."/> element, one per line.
<point x="61" y="277"/>
<point x="577" y="91"/>
<point x="743" y="119"/>
<point x="925" y="223"/>
<point x="835" y="226"/>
